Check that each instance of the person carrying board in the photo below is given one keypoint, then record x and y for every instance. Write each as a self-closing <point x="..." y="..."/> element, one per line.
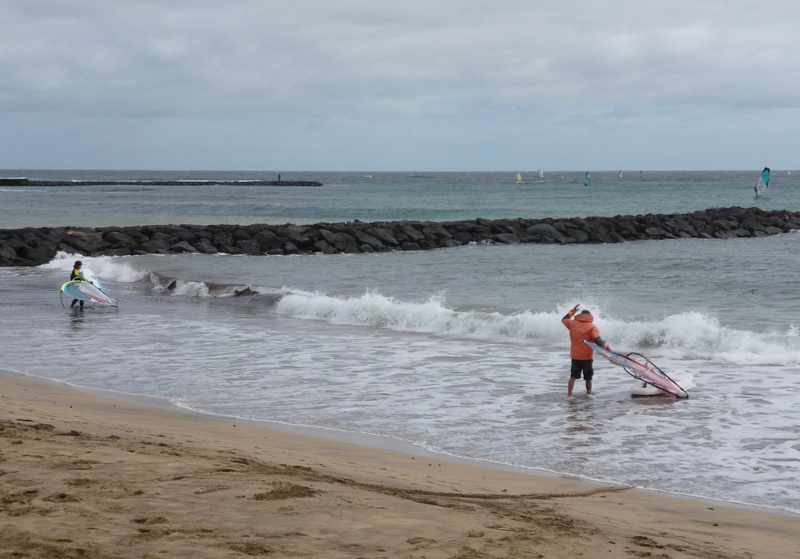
<point x="582" y="328"/>
<point x="77" y="275"/>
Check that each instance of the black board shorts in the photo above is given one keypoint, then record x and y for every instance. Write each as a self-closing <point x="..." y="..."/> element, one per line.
<point x="585" y="366"/>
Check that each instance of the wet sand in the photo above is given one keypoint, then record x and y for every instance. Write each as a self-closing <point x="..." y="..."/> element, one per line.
<point x="87" y="475"/>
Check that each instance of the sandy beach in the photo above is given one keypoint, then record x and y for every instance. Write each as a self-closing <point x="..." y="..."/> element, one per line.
<point x="87" y="475"/>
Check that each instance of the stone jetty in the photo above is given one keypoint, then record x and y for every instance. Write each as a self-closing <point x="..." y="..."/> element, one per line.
<point x="22" y="181"/>
<point x="34" y="246"/>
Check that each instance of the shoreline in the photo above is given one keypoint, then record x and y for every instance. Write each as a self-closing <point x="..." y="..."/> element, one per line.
<point x="377" y="442"/>
<point x="84" y="472"/>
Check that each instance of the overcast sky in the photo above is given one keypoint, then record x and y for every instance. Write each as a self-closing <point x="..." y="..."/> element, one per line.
<point x="399" y="85"/>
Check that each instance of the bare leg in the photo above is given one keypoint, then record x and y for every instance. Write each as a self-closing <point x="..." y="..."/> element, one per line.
<point x="588" y="387"/>
<point x="570" y="386"/>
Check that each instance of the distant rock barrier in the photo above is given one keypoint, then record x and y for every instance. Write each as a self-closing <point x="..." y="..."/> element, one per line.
<point x="22" y="181"/>
<point x="34" y="246"/>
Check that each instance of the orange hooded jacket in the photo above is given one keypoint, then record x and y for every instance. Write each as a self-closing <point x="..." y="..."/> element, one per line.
<point x="582" y="328"/>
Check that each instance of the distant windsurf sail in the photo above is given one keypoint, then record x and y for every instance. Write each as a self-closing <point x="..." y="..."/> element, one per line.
<point x="519" y="177"/>
<point x="85" y="291"/>
<point x="763" y="181"/>
<point x="587" y="179"/>
<point x="641" y="368"/>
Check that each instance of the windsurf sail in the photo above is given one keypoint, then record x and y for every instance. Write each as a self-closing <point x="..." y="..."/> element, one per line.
<point x="519" y="177"/>
<point x="92" y="278"/>
<point x="541" y="174"/>
<point x="641" y="368"/>
<point x="587" y="179"/>
<point x="763" y="181"/>
<point x="86" y="291"/>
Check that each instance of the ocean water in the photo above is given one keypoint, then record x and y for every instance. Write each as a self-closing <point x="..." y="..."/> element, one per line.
<point x="458" y="351"/>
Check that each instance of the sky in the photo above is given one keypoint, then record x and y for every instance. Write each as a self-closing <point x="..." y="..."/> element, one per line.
<point x="388" y="85"/>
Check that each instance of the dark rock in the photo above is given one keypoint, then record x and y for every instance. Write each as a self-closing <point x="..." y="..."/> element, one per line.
<point x="268" y="240"/>
<point x="367" y="239"/>
<point x="463" y="238"/>
<point x="7" y="252"/>
<point x="155" y="247"/>
<point x="507" y="238"/>
<point x="323" y="247"/>
<point x="117" y="238"/>
<point x="86" y="241"/>
<point x="205" y="246"/>
<point x="249" y="246"/>
<point x="545" y="231"/>
<point x="578" y="235"/>
<point x="295" y="234"/>
<point x="134" y="233"/>
<point x="182" y="246"/>
<point x="342" y="242"/>
<point x="436" y="231"/>
<point x="240" y="235"/>
<point x="655" y="232"/>
<point x="32" y="246"/>
<point x="407" y="234"/>
<point x="183" y="235"/>
<point x="38" y="254"/>
<point x="384" y="235"/>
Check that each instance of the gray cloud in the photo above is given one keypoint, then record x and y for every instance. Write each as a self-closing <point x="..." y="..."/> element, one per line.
<point x="359" y="84"/>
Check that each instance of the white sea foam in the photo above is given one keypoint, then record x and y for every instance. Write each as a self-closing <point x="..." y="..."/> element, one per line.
<point x="682" y="335"/>
<point x="107" y="268"/>
<point x="192" y="288"/>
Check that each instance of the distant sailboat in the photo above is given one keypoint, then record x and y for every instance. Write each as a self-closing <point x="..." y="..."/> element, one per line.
<point x="763" y="181"/>
<point x="519" y="177"/>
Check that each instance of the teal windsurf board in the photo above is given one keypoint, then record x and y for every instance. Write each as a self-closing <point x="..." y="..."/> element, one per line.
<point x="86" y="291"/>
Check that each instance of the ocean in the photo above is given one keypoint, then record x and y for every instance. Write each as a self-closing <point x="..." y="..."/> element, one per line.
<point x="456" y="351"/>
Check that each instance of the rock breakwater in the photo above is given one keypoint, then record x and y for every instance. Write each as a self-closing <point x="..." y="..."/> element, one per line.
<point x="34" y="246"/>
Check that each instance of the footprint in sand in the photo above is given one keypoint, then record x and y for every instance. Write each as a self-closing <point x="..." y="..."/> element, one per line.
<point x="285" y="490"/>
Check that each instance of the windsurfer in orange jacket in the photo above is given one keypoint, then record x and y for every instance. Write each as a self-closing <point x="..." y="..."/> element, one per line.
<point x="581" y="328"/>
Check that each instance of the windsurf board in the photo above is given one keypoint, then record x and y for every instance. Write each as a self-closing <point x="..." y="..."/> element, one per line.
<point x="85" y="291"/>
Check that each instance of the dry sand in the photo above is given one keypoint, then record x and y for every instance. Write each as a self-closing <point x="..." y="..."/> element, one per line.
<point x="84" y="475"/>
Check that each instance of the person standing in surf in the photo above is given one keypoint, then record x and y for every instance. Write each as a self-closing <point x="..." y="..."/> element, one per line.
<point x="76" y="275"/>
<point x="582" y="328"/>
